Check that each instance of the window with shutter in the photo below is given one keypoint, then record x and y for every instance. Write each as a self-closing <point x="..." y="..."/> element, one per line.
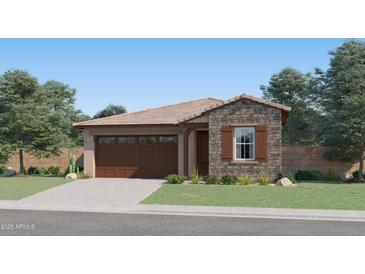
<point x="245" y="143"/>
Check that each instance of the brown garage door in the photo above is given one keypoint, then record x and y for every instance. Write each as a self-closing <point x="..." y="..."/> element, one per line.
<point x="136" y="156"/>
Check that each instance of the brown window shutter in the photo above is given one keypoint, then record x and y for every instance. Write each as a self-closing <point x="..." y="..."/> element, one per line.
<point x="227" y="143"/>
<point x="261" y="143"/>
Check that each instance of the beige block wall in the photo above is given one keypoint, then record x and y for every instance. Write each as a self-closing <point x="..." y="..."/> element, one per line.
<point x="311" y="158"/>
<point x="60" y="161"/>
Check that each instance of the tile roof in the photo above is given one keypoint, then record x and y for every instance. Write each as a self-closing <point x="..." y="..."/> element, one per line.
<point x="170" y="114"/>
<point x="173" y="114"/>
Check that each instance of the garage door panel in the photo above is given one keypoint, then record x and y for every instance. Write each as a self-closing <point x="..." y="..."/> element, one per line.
<point x="147" y="161"/>
<point x="167" y="160"/>
<point x="138" y="160"/>
<point x="131" y="172"/>
<point x="126" y="155"/>
<point x="105" y="155"/>
<point x="116" y="172"/>
<point x="100" y="172"/>
<point x="110" y="172"/>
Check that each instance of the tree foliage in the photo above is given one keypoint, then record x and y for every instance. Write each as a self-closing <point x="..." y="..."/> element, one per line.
<point x="293" y="88"/>
<point x="342" y="97"/>
<point x="34" y="118"/>
<point x="111" y="110"/>
<point x="76" y="135"/>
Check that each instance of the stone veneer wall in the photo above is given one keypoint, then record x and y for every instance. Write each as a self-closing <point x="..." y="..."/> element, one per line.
<point x="245" y="113"/>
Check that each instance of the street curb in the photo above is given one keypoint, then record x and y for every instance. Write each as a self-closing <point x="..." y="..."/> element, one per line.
<point x="257" y="216"/>
<point x="228" y="212"/>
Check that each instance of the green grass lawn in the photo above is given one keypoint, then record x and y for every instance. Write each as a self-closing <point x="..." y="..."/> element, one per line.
<point x="315" y="195"/>
<point x="16" y="188"/>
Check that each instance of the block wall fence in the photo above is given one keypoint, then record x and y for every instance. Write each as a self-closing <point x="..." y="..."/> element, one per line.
<point x="60" y="161"/>
<point x="293" y="159"/>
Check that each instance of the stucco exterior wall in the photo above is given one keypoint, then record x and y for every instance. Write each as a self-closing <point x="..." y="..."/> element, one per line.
<point x="192" y="152"/>
<point x="89" y="153"/>
<point x="245" y="113"/>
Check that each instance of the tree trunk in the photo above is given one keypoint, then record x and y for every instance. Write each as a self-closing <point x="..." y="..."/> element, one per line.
<point x="361" y="170"/>
<point x="21" y="162"/>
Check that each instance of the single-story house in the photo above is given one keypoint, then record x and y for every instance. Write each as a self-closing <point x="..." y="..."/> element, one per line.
<point x="238" y="136"/>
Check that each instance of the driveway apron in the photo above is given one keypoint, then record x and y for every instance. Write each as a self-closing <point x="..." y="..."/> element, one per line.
<point x="92" y="195"/>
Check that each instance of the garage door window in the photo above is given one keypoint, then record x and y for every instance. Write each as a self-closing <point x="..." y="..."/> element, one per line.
<point x="126" y="140"/>
<point x="106" y="140"/>
<point x="168" y="140"/>
<point x="147" y="140"/>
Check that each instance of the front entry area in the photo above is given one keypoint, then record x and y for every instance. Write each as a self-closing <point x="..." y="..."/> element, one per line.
<point x="202" y="153"/>
<point x="136" y="156"/>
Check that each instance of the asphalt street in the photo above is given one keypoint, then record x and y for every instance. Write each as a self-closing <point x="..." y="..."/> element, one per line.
<point x="53" y="223"/>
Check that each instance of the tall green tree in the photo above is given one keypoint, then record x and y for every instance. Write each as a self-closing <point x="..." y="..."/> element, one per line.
<point x="293" y="88"/>
<point x="76" y="135"/>
<point x="342" y="89"/>
<point x="62" y="99"/>
<point x="34" y="118"/>
<point x="111" y="110"/>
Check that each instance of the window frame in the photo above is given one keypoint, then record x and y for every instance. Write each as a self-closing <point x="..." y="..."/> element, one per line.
<point x="100" y="138"/>
<point x="168" y="136"/>
<point x="127" y="137"/>
<point x="155" y="137"/>
<point x="235" y="144"/>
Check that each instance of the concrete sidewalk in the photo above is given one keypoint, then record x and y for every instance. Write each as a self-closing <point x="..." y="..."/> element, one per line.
<point x="212" y="211"/>
<point x="246" y="212"/>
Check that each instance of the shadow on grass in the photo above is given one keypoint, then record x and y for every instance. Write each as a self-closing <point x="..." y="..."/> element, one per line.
<point x="329" y="182"/>
<point x="33" y="176"/>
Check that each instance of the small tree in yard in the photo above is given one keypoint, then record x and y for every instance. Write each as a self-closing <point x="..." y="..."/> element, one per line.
<point x="342" y="90"/>
<point x="292" y="88"/>
<point x="34" y="118"/>
<point x="111" y="110"/>
<point x="76" y="135"/>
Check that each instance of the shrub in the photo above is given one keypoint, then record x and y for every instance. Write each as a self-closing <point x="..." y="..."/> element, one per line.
<point x="288" y="175"/>
<point x="32" y="170"/>
<point x="229" y="180"/>
<point x="308" y="175"/>
<point x="195" y="177"/>
<point x="245" y="179"/>
<point x="355" y="176"/>
<point x="331" y="175"/>
<point x="37" y="170"/>
<point x="264" y="179"/>
<point x="212" y="180"/>
<point x="81" y="175"/>
<point x="71" y="162"/>
<point x="175" y="179"/>
<point x="54" y="170"/>
<point x="317" y="175"/>
<point x="2" y="169"/>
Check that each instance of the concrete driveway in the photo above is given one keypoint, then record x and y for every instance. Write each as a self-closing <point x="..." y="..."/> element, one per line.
<point x="91" y="195"/>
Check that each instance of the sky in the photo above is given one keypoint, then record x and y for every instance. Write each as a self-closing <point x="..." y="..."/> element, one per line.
<point x="146" y="73"/>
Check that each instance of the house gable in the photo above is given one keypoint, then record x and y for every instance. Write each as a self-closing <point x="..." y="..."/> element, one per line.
<point x="267" y="122"/>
